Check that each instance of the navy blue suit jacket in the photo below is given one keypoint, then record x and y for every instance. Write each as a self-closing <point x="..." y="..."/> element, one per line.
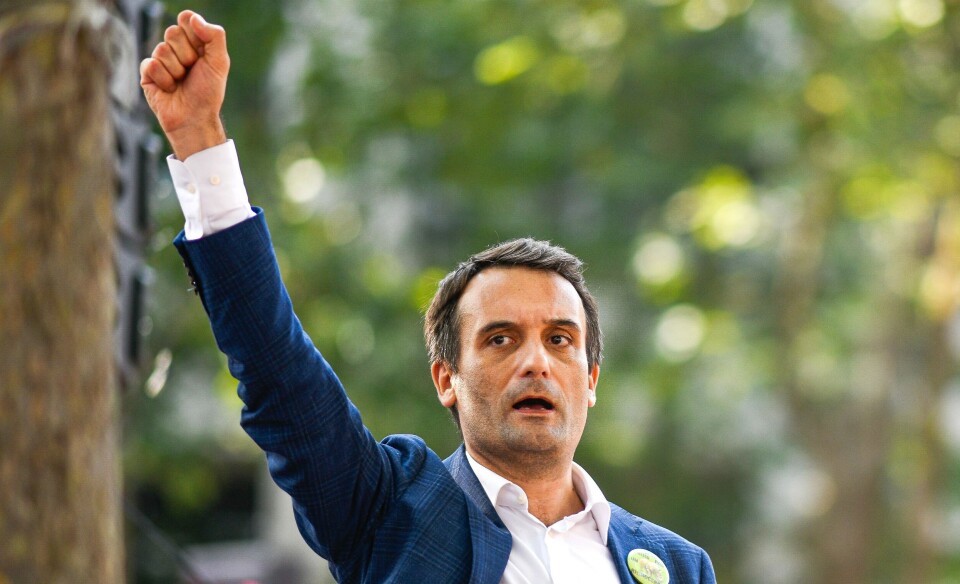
<point x="387" y="511"/>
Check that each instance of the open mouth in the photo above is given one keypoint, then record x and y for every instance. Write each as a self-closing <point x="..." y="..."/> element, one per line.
<point x="533" y="404"/>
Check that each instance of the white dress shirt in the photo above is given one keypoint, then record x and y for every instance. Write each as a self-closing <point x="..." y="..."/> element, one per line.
<point x="211" y="192"/>
<point x="571" y="551"/>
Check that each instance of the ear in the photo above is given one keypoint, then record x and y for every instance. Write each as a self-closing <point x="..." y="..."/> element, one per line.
<point x="443" y="381"/>
<point x="592" y="385"/>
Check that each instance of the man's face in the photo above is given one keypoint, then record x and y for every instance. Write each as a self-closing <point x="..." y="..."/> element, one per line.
<point x="523" y="385"/>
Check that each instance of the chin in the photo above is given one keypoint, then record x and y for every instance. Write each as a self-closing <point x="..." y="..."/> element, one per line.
<point x="536" y="440"/>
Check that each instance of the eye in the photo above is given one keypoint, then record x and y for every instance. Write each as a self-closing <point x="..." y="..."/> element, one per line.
<point x="559" y="340"/>
<point x="499" y="340"/>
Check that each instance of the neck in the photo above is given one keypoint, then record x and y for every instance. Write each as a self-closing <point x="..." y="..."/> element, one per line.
<point x="550" y="492"/>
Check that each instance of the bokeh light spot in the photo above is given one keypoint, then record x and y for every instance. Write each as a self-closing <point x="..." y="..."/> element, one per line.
<point x="921" y="13"/>
<point x="947" y="132"/>
<point x="658" y="260"/>
<point x="874" y="19"/>
<point x="704" y="15"/>
<point x="680" y="332"/>
<point x="827" y="94"/>
<point x="721" y="210"/>
<point x="939" y="291"/>
<point x="869" y="195"/>
<point x="504" y="61"/>
<point x="583" y="30"/>
<point x="303" y="180"/>
<point x="736" y="223"/>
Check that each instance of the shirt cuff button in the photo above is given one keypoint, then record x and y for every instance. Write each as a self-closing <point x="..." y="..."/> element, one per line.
<point x="215" y="180"/>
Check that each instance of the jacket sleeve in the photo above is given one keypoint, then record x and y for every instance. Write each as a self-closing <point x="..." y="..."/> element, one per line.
<point x="340" y="478"/>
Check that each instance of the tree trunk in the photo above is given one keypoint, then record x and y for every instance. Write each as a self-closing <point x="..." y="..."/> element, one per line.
<point x="845" y="437"/>
<point x="60" y="518"/>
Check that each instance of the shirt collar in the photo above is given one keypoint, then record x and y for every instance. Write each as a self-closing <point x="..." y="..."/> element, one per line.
<point x="587" y="489"/>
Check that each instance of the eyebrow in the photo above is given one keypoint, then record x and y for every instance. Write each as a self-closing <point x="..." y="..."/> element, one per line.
<point x="496" y="326"/>
<point x="565" y="322"/>
<point x="505" y="324"/>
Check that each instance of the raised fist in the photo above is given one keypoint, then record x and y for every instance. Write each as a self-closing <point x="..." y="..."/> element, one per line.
<point x="185" y="80"/>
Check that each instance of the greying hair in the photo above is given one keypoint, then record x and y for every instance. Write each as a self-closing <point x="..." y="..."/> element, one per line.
<point x="442" y="324"/>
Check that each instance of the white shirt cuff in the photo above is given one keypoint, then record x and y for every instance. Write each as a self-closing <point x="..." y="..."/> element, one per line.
<point x="210" y="189"/>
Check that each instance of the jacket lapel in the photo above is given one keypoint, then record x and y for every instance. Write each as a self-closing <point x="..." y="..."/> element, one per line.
<point x="623" y="537"/>
<point x="491" y="539"/>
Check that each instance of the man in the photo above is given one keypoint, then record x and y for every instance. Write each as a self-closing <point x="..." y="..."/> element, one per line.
<point x="515" y="347"/>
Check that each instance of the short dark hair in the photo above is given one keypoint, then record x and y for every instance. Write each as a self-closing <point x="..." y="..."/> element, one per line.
<point x="442" y="324"/>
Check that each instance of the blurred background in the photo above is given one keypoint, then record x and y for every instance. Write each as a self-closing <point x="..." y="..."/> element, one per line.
<point x="765" y="193"/>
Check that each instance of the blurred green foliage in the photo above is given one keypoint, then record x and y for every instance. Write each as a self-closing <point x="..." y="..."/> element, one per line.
<point x="765" y="194"/>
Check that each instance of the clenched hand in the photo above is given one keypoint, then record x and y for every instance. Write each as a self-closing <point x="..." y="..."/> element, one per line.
<point x="185" y="80"/>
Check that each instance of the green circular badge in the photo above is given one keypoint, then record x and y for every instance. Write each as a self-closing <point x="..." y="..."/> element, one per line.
<point x="647" y="568"/>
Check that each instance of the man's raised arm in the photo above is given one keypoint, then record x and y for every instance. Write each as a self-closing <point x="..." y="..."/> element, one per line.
<point x="342" y="481"/>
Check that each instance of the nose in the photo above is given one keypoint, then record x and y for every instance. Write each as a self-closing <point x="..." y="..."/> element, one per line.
<point x="535" y="361"/>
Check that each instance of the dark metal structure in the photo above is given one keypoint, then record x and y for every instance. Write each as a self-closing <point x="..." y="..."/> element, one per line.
<point x="138" y="151"/>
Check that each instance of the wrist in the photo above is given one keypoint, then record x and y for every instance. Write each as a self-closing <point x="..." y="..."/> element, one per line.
<point x="189" y="140"/>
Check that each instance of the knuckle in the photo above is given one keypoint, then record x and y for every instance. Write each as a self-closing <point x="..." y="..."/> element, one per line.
<point x="186" y="50"/>
<point x="162" y="50"/>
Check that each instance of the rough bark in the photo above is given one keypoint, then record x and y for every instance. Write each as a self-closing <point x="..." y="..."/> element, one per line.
<point x="59" y="467"/>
